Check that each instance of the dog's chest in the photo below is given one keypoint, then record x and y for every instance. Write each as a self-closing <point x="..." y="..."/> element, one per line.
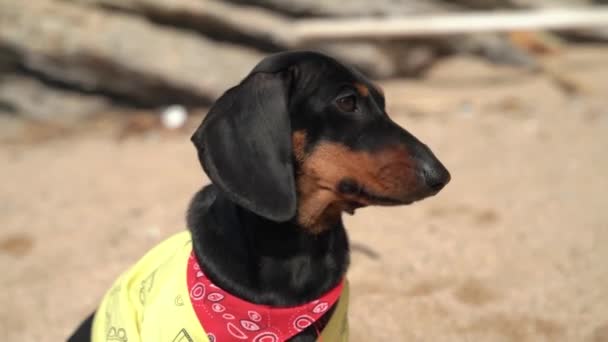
<point x="166" y="297"/>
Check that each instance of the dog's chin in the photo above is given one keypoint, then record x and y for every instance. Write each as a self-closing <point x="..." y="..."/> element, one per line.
<point x="356" y="196"/>
<point x="371" y="199"/>
<point x="417" y="196"/>
<point x="350" y="206"/>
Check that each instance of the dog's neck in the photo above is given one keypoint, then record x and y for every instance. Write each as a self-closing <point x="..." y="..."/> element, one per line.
<point x="264" y="262"/>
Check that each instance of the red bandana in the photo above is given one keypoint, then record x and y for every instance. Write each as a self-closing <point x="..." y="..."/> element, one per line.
<point x="226" y="317"/>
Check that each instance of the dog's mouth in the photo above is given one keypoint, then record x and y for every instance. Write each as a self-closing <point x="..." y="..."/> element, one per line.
<point x="358" y="196"/>
<point x="375" y="199"/>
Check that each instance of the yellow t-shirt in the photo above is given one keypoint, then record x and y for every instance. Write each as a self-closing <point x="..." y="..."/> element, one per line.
<point x="150" y="302"/>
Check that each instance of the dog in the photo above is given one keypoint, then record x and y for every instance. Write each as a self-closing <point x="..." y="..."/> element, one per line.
<point x="301" y="140"/>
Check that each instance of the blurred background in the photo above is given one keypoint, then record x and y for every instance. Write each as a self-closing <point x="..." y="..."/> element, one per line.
<point x="98" y="99"/>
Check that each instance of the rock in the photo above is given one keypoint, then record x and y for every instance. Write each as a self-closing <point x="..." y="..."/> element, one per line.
<point x="369" y="58"/>
<point x="496" y="48"/>
<point x="269" y="31"/>
<point x="505" y="4"/>
<point x="383" y="59"/>
<point x="245" y="25"/>
<point x="599" y="35"/>
<point x="548" y="3"/>
<point x="35" y="100"/>
<point x="155" y="53"/>
<point x="266" y="28"/>
<point x="353" y="8"/>
<point x="119" y="54"/>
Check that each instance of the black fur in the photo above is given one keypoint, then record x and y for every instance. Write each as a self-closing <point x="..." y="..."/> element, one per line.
<point x="263" y="261"/>
<point x="244" y="228"/>
<point x="244" y="145"/>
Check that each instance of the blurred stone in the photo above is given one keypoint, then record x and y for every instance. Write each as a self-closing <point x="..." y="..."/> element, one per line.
<point x="119" y="54"/>
<point x="496" y="48"/>
<point x="154" y="53"/>
<point x="219" y="20"/>
<point x="536" y="42"/>
<point x="465" y="71"/>
<point x="369" y="58"/>
<point x="35" y="100"/>
<point x="266" y="28"/>
<point x="353" y="8"/>
<point x="589" y="35"/>
<point x="383" y="59"/>
<point x="548" y="3"/>
<point x="268" y="31"/>
<point x="497" y="4"/>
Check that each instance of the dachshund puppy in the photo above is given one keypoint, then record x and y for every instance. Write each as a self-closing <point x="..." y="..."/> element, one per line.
<point x="299" y="141"/>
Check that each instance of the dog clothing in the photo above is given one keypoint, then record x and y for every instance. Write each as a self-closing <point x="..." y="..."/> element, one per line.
<point x="166" y="297"/>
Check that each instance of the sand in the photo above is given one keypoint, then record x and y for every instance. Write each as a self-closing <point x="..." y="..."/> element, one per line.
<point x="514" y="249"/>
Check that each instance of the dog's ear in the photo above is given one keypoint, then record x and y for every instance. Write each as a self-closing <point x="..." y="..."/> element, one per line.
<point x="244" y="145"/>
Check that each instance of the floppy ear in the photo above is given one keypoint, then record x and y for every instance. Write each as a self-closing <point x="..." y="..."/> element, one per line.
<point x="244" y="146"/>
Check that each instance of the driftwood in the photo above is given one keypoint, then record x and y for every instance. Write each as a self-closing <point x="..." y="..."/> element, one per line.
<point x="111" y="47"/>
<point x="355" y="8"/>
<point x="450" y="24"/>
<point x="157" y="52"/>
<point x="270" y="31"/>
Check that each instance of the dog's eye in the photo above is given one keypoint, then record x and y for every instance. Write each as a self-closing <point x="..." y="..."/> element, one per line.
<point x="347" y="103"/>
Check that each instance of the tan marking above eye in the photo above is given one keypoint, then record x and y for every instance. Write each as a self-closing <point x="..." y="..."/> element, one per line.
<point x="298" y="142"/>
<point x="378" y="88"/>
<point x="362" y="89"/>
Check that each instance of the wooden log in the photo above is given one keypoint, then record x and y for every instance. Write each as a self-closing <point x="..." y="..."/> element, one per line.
<point x="450" y="24"/>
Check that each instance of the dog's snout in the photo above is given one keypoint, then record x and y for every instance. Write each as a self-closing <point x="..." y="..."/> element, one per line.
<point x="423" y="175"/>
<point x="431" y="170"/>
<point x="436" y="176"/>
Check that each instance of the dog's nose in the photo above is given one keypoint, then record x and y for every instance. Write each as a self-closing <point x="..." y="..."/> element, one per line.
<point x="436" y="176"/>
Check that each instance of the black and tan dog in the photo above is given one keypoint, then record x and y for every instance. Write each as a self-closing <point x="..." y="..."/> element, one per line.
<point x="300" y="140"/>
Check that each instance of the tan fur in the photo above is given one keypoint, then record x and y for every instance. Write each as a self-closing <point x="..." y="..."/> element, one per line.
<point x="298" y="142"/>
<point x="362" y="89"/>
<point x="378" y="88"/>
<point x="387" y="173"/>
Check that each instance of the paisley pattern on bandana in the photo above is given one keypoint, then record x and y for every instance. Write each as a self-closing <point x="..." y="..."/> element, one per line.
<point x="165" y="297"/>
<point x="229" y="318"/>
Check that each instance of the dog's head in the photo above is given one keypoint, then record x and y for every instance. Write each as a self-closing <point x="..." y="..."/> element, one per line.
<point x="305" y="137"/>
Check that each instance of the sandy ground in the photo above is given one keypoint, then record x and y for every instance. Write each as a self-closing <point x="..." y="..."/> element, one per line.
<point x="514" y="249"/>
